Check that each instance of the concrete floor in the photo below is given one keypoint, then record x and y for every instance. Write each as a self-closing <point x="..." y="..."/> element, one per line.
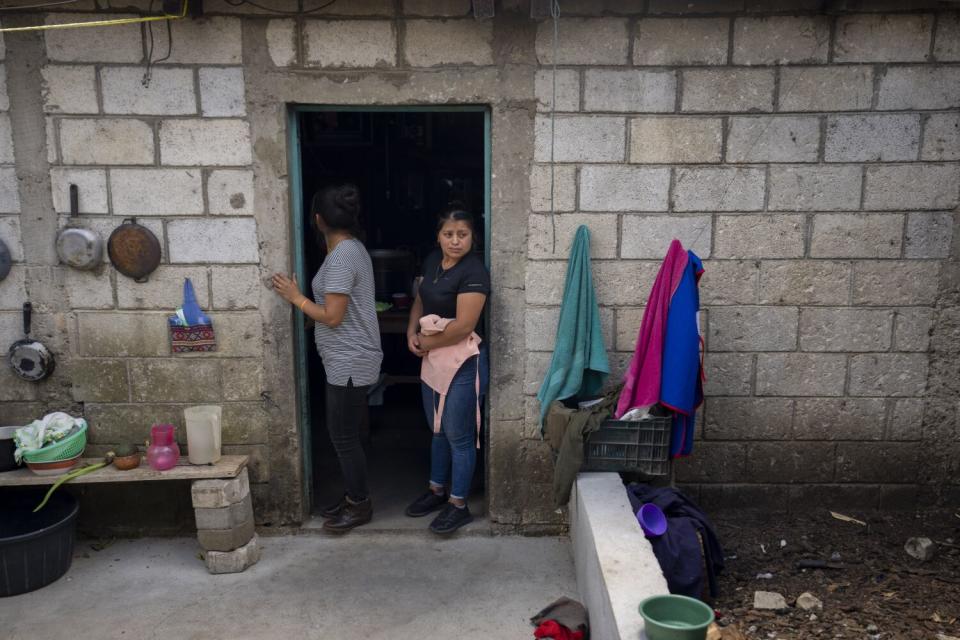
<point x="365" y="586"/>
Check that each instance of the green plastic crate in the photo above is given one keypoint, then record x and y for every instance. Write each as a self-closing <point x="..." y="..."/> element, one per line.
<point x="70" y="447"/>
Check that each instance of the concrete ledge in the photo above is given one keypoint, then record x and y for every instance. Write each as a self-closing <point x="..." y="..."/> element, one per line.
<point x="616" y="568"/>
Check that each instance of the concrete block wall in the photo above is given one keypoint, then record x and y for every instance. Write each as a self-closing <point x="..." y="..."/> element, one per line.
<point x="810" y="159"/>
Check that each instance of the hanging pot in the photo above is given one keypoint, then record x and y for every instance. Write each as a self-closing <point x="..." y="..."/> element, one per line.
<point x="30" y="359"/>
<point x="134" y="250"/>
<point x="5" y="260"/>
<point x="77" y="246"/>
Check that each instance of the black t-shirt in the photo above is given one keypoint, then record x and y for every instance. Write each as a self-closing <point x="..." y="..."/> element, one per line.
<point x="439" y="289"/>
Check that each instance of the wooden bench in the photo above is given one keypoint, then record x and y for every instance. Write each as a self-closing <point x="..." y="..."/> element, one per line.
<point x="221" y="502"/>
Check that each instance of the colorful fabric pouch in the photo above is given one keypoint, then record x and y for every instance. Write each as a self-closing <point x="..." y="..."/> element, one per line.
<point x="190" y="329"/>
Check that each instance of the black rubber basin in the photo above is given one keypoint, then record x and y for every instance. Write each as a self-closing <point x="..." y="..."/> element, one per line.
<point x="35" y="548"/>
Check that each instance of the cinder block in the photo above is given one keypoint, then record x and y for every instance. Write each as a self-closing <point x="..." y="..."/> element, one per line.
<point x="730" y="282"/>
<point x="714" y="462"/>
<point x="350" y="43"/>
<point x="906" y="419"/>
<point x="13" y="291"/>
<point x="845" y="329"/>
<point x="801" y="374"/>
<point x="790" y="462"/>
<point x="235" y="561"/>
<point x="628" y="322"/>
<point x="622" y="283"/>
<point x="243" y="380"/>
<point x="585" y="41"/>
<point x="215" y="40"/>
<point x="603" y="235"/>
<point x="946" y="47"/>
<point x="448" y="8"/>
<point x="854" y="235"/>
<point x="360" y="8"/>
<point x="693" y="7"/>
<point x="230" y="192"/>
<point x="912" y="186"/>
<point x="878" y="462"/>
<point x="236" y="287"/>
<point x="123" y="334"/>
<point x="839" y="419"/>
<point x="225" y="517"/>
<point x="781" y="40"/>
<point x="91" y="189"/>
<point x="186" y="380"/>
<point x="88" y="289"/>
<point x="747" y="418"/>
<point x="622" y="188"/>
<point x="205" y="142"/>
<point x="581" y="139"/>
<point x="106" y="141"/>
<point x="888" y="374"/>
<point x="226" y="539"/>
<point x="919" y="87"/>
<point x="222" y="91"/>
<point x="633" y="90"/>
<point x="156" y="191"/>
<point x="882" y="38"/>
<point x="912" y="329"/>
<point x="9" y="193"/>
<point x="216" y="494"/>
<point x="727" y="90"/>
<point x="564" y="187"/>
<point x="718" y="189"/>
<point x="568" y="90"/>
<point x="773" y="139"/>
<point x="900" y="282"/>
<point x="681" y="41"/>
<point x="928" y="235"/>
<point x="4" y="98"/>
<point x="118" y="43"/>
<point x="169" y="92"/>
<point x="814" y="188"/>
<point x="675" y="140"/>
<point x="753" y="329"/>
<point x="6" y="140"/>
<point x="229" y="240"/>
<point x="164" y="289"/>
<point x="282" y="37"/>
<point x="804" y="282"/>
<point x="240" y="335"/>
<point x="727" y="374"/>
<point x="868" y="138"/>
<point x="647" y="237"/>
<point x="69" y="89"/>
<point x="432" y="43"/>
<point x="833" y="88"/>
<point x="50" y="129"/>
<point x="760" y="236"/>
<point x="115" y="422"/>
<point x="225" y="6"/>
<point x="941" y="137"/>
<point x="541" y="327"/>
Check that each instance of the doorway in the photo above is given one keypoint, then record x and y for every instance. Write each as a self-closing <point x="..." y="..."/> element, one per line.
<point x="409" y="164"/>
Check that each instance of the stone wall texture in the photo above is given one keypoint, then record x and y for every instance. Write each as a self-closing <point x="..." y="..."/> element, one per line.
<point x="811" y="158"/>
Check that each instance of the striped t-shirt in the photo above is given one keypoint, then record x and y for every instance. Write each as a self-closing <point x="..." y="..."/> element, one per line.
<point x="351" y="350"/>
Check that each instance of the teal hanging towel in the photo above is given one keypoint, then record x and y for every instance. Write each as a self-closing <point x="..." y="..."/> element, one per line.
<point x="579" y="366"/>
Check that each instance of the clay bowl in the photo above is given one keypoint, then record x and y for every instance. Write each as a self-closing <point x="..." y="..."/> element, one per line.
<point x="56" y="468"/>
<point x="125" y="463"/>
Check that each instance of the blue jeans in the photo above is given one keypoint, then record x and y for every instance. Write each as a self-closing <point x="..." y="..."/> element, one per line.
<point x="453" y="451"/>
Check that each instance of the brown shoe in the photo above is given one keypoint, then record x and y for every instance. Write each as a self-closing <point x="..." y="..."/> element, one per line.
<point x="352" y="515"/>
<point x="333" y="510"/>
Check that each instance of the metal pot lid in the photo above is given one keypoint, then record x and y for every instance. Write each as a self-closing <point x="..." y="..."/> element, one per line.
<point x="5" y="260"/>
<point x="80" y="248"/>
<point x="134" y="250"/>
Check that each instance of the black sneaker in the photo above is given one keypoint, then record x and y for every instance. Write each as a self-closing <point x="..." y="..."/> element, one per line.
<point x="333" y="510"/>
<point x="451" y="519"/>
<point x="426" y="504"/>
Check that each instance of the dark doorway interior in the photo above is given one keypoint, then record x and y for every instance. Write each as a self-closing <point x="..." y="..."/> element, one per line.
<point x="409" y="166"/>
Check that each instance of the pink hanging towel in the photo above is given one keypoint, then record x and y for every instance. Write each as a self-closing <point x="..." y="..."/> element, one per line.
<point x="641" y="386"/>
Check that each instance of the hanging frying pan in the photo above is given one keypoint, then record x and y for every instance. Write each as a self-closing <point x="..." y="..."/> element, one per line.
<point x="5" y="260"/>
<point x="30" y="359"/>
<point x="77" y="246"/>
<point x="134" y="250"/>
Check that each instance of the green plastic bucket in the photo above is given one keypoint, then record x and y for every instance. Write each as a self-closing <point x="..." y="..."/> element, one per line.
<point x="672" y="617"/>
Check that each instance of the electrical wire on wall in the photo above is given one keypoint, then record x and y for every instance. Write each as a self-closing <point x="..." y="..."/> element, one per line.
<point x="300" y="11"/>
<point x="40" y="5"/>
<point x="555" y="15"/>
<point x="97" y="23"/>
<point x="148" y="72"/>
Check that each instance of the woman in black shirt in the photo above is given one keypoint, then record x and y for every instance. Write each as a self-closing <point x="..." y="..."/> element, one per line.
<point x="454" y="286"/>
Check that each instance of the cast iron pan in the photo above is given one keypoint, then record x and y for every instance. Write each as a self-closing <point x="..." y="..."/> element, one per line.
<point x="30" y="359"/>
<point x="5" y="260"/>
<point x="134" y="250"/>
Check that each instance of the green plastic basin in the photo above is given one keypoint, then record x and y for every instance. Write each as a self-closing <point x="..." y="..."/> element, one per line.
<point x="672" y="617"/>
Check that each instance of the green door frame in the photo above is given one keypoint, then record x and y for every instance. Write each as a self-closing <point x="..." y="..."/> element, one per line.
<point x="296" y="240"/>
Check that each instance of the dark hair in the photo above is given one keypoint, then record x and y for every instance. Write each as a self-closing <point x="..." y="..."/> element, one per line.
<point x="339" y="206"/>
<point x="456" y="213"/>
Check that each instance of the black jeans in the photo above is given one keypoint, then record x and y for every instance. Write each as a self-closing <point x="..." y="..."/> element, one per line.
<point x="346" y="413"/>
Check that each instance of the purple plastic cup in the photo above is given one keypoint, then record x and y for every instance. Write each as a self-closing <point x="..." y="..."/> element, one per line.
<point x="652" y="520"/>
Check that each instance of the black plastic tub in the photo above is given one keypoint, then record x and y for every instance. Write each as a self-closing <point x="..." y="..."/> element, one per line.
<point x="35" y="548"/>
<point x="7" y="461"/>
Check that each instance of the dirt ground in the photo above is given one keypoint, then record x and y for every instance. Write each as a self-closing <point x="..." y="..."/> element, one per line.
<point x="872" y="589"/>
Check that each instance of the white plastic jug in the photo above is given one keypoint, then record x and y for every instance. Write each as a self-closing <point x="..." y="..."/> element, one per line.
<point x="203" y="433"/>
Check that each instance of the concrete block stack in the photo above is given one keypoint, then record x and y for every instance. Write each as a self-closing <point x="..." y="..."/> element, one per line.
<point x="225" y="525"/>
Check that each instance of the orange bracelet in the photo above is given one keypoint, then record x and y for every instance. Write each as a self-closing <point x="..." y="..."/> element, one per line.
<point x="305" y="301"/>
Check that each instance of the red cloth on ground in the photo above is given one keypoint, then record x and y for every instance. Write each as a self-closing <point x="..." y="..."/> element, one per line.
<point x="555" y="630"/>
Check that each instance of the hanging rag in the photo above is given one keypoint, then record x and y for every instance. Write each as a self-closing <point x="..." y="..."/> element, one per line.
<point x="439" y="366"/>
<point x="666" y="367"/>
<point x="579" y="366"/>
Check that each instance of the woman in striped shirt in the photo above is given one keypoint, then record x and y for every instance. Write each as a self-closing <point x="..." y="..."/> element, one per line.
<point x="348" y="339"/>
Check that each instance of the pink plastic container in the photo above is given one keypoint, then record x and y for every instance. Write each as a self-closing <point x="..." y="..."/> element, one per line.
<point x="163" y="452"/>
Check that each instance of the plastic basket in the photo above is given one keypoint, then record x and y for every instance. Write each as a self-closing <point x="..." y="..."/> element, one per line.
<point x="641" y="445"/>
<point x="70" y="447"/>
